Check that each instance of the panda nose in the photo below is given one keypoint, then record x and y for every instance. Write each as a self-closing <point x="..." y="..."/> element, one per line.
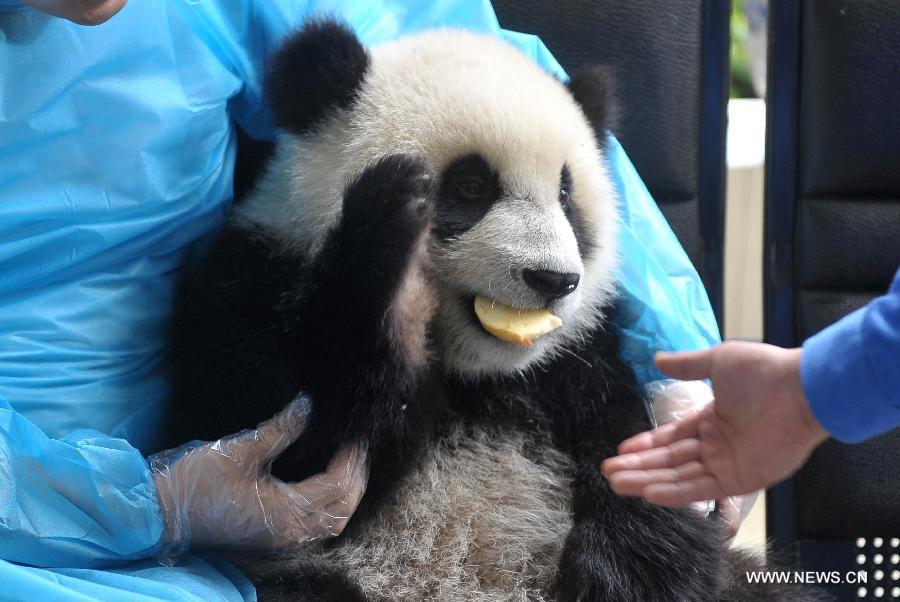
<point x="551" y="285"/>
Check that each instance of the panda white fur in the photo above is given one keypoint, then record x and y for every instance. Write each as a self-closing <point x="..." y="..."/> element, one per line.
<point x="410" y="178"/>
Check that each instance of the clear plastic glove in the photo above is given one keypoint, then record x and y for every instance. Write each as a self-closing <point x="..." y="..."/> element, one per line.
<point x="222" y="495"/>
<point x="675" y="400"/>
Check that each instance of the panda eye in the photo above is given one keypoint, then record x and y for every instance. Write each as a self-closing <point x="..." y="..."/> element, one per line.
<point x="565" y="186"/>
<point x="471" y="187"/>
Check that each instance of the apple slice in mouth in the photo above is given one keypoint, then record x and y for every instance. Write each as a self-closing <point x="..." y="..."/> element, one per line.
<point x="518" y="326"/>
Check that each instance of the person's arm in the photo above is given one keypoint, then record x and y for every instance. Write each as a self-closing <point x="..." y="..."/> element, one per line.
<point x="90" y="500"/>
<point x="83" y="501"/>
<point x="851" y="370"/>
<point x="770" y="410"/>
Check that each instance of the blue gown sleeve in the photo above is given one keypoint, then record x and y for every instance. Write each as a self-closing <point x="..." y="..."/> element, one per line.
<point x="851" y="370"/>
<point x="86" y="500"/>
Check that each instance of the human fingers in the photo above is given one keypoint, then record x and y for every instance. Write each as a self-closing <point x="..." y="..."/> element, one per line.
<point x="343" y="480"/>
<point x="633" y="482"/>
<point x="271" y="437"/>
<point x="350" y="462"/>
<point x="340" y="510"/>
<point x="669" y="456"/>
<point x="661" y="436"/>
<point x="683" y="493"/>
<point x="314" y="494"/>
<point x="319" y="507"/>
<point x="685" y="365"/>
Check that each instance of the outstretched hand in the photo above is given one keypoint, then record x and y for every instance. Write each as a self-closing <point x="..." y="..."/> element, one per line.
<point x="758" y="430"/>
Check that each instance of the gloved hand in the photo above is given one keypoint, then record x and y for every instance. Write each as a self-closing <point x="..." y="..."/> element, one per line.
<point x="221" y="494"/>
<point x="674" y="401"/>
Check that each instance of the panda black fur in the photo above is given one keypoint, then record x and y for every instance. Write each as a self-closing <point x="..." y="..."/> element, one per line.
<point x="409" y="179"/>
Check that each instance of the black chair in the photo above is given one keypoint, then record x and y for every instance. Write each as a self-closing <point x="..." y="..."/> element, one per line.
<point x="832" y="231"/>
<point x="670" y="62"/>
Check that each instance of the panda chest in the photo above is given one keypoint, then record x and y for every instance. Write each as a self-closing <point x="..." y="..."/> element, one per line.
<point x="483" y="516"/>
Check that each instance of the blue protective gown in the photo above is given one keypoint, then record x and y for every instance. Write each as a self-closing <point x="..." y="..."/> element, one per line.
<point x="116" y="154"/>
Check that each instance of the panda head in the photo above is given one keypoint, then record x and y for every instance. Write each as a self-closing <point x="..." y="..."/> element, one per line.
<point x="525" y="212"/>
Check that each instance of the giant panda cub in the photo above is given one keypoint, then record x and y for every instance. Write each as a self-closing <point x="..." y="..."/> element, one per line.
<point x="409" y="180"/>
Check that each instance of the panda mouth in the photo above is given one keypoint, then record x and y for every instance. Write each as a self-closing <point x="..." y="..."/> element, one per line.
<point x="517" y="326"/>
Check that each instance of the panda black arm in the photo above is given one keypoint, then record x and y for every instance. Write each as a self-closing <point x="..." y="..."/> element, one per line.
<point x="619" y="548"/>
<point x="257" y="324"/>
<point x="362" y="343"/>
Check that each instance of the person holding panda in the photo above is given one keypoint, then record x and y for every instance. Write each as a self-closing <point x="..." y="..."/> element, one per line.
<point x="113" y="154"/>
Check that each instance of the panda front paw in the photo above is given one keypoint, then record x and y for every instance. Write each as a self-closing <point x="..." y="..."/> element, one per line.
<point x="372" y="258"/>
<point x="390" y="204"/>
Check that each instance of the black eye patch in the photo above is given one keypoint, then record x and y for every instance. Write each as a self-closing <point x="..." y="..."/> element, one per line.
<point x="468" y="189"/>
<point x="565" y="187"/>
<point x="573" y="213"/>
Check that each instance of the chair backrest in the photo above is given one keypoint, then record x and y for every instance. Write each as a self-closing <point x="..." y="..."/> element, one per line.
<point x="832" y="230"/>
<point x="670" y="62"/>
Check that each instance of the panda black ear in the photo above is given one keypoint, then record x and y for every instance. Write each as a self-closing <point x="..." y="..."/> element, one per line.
<point x="317" y="68"/>
<point x="592" y="88"/>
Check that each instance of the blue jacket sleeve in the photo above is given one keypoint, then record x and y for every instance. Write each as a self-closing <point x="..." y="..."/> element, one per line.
<point x="85" y="501"/>
<point x="851" y="370"/>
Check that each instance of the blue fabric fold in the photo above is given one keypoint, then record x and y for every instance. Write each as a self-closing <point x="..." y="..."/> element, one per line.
<point x="84" y="500"/>
<point x="202" y="577"/>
